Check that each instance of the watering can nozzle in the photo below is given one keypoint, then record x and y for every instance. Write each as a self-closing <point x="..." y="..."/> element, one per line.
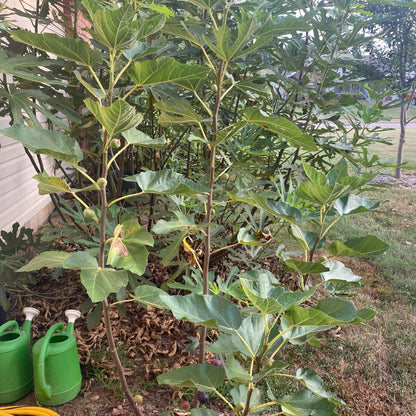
<point x="72" y="315"/>
<point x="30" y="313"/>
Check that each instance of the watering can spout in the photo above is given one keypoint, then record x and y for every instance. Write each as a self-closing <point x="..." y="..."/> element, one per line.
<point x="72" y="315"/>
<point x="30" y="314"/>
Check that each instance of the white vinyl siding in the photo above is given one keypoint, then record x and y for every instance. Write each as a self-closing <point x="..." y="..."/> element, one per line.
<point x="19" y="198"/>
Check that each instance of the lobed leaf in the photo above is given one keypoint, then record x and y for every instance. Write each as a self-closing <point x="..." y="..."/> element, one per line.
<point x="98" y="282"/>
<point x="46" y="142"/>
<point x="304" y="403"/>
<point x="311" y="380"/>
<point x="73" y="49"/>
<point x="112" y="26"/>
<point x="139" y="138"/>
<point x="204" y="377"/>
<point x="281" y="126"/>
<point x="117" y="118"/>
<point x="127" y="249"/>
<point x="272" y="299"/>
<point x="360" y="247"/>
<point x="209" y="310"/>
<point x="49" y="259"/>
<point x="51" y="185"/>
<point x="354" y="204"/>
<point x="167" y="69"/>
<point x="166" y="182"/>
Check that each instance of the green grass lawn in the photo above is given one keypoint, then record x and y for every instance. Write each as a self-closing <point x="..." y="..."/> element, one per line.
<point x="390" y="152"/>
<point x="379" y="359"/>
<point x="394" y="113"/>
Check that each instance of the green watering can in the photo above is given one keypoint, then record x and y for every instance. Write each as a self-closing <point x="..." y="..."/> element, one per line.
<point x="16" y="372"/>
<point x="55" y="364"/>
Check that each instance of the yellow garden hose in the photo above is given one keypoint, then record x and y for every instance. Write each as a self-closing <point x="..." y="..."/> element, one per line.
<point x="31" y="411"/>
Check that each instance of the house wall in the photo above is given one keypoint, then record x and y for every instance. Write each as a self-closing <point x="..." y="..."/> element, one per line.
<point x="19" y="199"/>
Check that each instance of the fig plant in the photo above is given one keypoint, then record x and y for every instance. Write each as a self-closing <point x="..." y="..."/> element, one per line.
<point x="234" y="101"/>
<point x="261" y="315"/>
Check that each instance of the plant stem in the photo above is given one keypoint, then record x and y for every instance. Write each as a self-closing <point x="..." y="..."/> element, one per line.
<point x="116" y="359"/>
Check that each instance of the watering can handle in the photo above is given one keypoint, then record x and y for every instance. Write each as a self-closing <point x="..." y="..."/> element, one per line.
<point x="7" y="325"/>
<point x="40" y="369"/>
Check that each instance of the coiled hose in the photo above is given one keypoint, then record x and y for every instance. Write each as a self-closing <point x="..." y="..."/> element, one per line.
<point x="21" y="410"/>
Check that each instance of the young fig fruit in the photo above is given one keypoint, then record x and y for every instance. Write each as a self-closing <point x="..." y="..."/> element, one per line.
<point x="185" y="405"/>
<point x="101" y="182"/>
<point x="268" y="362"/>
<point x="115" y="143"/>
<point x="215" y="361"/>
<point x="139" y="399"/>
<point x="239" y="407"/>
<point x="203" y="397"/>
<point x="90" y="214"/>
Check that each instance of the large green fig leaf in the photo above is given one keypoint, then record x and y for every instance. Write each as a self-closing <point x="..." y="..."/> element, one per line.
<point x="177" y="112"/>
<point x="119" y="117"/>
<point x="149" y="295"/>
<point x="46" y="142"/>
<point x="284" y="211"/>
<point x="308" y="239"/>
<point x="298" y="335"/>
<point x="321" y="194"/>
<point x="251" y="331"/>
<point x="73" y="49"/>
<point x="272" y="299"/>
<point x="20" y="66"/>
<point x="209" y="310"/>
<point x="127" y="249"/>
<point x="51" y="185"/>
<point x="246" y="41"/>
<point x="162" y="70"/>
<point x="306" y="267"/>
<point x="98" y="282"/>
<point x="50" y="259"/>
<point x="354" y="204"/>
<point x="138" y="138"/>
<point x="166" y="182"/>
<point x="235" y="371"/>
<point x="281" y="126"/>
<point x="204" y="377"/>
<point x="149" y="26"/>
<point x="304" y="403"/>
<point x="315" y="384"/>
<point x="112" y="26"/>
<point x="182" y="222"/>
<point x="328" y="312"/>
<point x="360" y="247"/>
